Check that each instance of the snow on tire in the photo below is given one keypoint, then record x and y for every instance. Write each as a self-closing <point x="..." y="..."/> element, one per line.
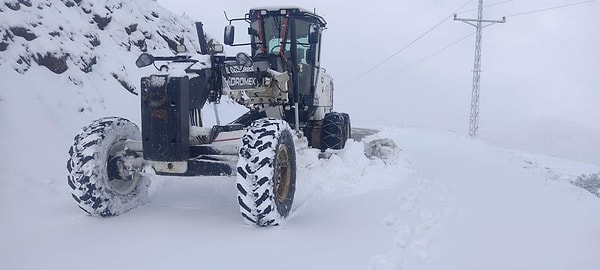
<point x="103" y="176"/>
<point x="266" y="172"/>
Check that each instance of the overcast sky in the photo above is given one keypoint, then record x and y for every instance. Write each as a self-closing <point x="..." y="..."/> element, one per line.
<point x="540" y="84"/>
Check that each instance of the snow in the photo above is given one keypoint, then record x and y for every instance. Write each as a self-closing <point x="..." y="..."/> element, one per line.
<point x="277" y="8"/>
<point x="442" y="201"/>
<point x="501" y="213"/>
<point x="158" y="81"/>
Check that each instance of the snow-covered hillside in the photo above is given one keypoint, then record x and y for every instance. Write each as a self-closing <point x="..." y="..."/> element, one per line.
<point x="66" y="63"/>
<point x="442" y="201"/>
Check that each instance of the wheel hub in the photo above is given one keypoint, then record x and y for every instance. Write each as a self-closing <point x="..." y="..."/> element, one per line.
<point x="123" y="172"/>
<point x="283" y="174"/>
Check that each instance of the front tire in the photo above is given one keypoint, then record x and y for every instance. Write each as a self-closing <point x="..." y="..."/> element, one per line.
<point x="104" y="176"/>
<point x="266" y="172"/>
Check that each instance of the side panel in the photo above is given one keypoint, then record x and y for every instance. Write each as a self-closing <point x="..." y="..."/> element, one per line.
<point x="323" y="95"/>
<point x="165" y="118"/>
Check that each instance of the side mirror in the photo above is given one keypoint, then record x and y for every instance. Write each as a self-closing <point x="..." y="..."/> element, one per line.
<point x="229" y="34"/>
<point x="313" y="34"/>
<point x="144" y="60"/>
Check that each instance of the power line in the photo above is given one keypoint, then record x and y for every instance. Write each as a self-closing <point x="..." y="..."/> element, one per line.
<point x="550" y="8"/>
<point x="470" y="34"/>
<point x="450" y="45"/>
<point x="409" y="44"/>
<point x="440" y="50"/>
<point x="446" y="18"/>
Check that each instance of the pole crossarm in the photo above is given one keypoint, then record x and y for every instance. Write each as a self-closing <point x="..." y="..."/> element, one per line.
<point x="503" y="20"/>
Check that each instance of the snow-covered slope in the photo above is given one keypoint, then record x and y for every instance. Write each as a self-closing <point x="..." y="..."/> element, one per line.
<point x="66" y="63"/>
<point x="443" y="202"/>
<point x="81" y="37"/>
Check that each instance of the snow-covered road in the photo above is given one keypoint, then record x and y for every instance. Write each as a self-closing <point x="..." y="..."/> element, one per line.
<point x="444" y="202"/>
<point x="488" y="208"/>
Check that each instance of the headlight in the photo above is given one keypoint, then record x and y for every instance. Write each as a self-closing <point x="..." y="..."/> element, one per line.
<point x="217" y="48"/>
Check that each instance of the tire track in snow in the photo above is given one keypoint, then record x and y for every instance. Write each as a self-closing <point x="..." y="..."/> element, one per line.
<point x="421" y="210"/>
<point x="417" y="218"/>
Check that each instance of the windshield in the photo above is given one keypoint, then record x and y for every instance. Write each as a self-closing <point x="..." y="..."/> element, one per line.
<point x="271" y="29"/>
<point x="302" y="31"/>
<point x="275" y="31"/>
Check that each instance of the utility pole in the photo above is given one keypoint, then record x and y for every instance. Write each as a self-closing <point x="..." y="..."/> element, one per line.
<point x="478" y="23"/>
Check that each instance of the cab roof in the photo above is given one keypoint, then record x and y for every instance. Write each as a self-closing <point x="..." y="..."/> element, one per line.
<point x="292" y="10"/>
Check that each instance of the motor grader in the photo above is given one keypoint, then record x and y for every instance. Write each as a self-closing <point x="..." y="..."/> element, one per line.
<point x="289" y="97"/>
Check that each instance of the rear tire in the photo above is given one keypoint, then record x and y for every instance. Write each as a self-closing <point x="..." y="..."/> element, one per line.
<point x="348" y="126"/>
<point x="104" y="177"/>
<point x="335" y="131"/>
<point x="266" y="172"/>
